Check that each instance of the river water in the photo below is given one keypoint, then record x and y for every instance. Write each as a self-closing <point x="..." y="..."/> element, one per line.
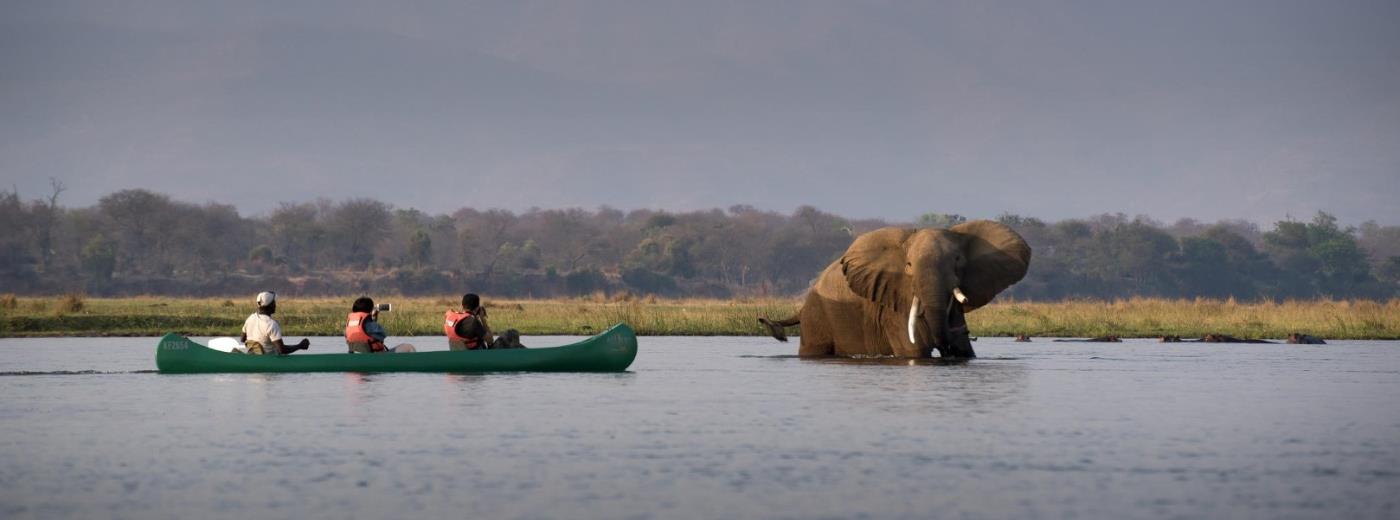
<point x="714" y="428"/>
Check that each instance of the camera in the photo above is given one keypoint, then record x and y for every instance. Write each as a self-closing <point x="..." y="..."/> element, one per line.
<point x="385" y="307"/>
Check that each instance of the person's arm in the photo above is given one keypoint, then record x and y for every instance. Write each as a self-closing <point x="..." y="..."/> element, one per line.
<point x="284" y="349"/>
<point x="486" y="336"/>
<point x="374" y="330"/>
<point x="376" y="334"/>
<point x="276" y="336"/>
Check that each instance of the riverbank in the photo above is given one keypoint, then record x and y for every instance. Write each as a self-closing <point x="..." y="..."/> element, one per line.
<point x="1139" y="317"/>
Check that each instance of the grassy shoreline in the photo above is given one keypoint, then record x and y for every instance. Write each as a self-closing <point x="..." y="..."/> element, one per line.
<point x="1138" y="317"/>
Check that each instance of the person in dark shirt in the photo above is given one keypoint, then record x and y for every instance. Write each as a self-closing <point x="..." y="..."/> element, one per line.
<point x="469" y="329"/>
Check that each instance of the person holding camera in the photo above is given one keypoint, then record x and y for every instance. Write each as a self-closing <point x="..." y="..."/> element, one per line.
<point x="468" y="330"/>
<point x="262" y="335"/>
<point x="364" y="334"/>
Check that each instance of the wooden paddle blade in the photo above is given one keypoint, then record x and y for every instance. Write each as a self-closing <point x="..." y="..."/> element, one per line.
<point x="225" y="344"/>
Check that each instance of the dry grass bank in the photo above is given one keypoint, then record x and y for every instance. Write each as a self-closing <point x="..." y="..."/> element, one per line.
<point x="1139" y="317"/>
<point x="1147" y="317"/>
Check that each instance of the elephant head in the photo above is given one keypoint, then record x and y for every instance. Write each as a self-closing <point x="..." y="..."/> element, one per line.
<point x="922" y="281"/>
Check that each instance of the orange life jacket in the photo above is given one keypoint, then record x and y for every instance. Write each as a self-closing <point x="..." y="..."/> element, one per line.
<point x="449" y="327"/>
<point x="355" y="331"/>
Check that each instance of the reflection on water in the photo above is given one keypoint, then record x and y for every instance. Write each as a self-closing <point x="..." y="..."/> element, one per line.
<point x="714" y="427"/>
<point x="892" y="361"/>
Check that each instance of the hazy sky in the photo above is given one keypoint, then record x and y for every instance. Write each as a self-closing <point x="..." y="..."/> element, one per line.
<point x="1172" y="109"/>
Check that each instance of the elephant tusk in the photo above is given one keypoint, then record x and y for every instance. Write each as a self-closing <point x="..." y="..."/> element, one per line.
<point x="958" y="294"/>
<point x="913" y="311"/>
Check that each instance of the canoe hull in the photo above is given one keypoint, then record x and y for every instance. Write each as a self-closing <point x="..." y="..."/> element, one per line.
<point x="611" y="351"/>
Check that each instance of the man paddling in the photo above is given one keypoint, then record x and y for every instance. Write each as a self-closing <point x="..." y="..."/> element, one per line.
<point x="262" y="334"/>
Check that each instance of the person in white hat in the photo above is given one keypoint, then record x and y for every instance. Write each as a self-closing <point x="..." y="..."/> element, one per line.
<point x="262" y="334"/>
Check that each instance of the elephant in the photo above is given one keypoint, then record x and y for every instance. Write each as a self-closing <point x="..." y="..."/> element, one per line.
<point x="904" y="292"/>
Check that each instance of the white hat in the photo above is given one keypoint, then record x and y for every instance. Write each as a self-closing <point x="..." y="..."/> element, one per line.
<point x="266" y="298"/>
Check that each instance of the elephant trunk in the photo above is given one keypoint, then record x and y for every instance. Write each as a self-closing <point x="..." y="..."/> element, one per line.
<point x="944" y="325"/>
<point x="959" y="338"/>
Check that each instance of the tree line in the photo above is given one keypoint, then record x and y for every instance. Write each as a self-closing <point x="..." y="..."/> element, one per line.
<point x="141" y="242"/>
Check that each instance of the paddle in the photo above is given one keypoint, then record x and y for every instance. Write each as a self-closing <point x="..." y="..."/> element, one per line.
<point x="226" y="345"/>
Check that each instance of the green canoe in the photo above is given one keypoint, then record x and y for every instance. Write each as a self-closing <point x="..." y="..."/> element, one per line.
<point x="611" y="351"/>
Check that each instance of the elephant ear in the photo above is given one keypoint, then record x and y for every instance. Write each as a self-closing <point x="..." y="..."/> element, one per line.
<point x="874" y="267"/>
<point x="996" y="258"/>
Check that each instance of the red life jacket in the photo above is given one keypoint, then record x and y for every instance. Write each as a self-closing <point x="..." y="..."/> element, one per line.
<point x="449" y="327"/>
<point x="355" y="331"/>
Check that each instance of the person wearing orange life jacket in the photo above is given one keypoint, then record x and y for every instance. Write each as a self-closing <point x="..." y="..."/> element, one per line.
<point x="364" y="334"/>
<point x="468" y="330"/>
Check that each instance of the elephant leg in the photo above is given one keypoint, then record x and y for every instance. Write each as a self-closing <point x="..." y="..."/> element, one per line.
<point x="861" y="332"/>
<point x="817" y="338"/>
<point x="814" y="346"/>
